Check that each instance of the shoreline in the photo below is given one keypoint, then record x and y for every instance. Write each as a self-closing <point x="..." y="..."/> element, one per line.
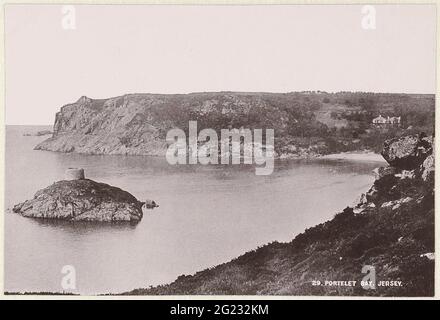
<point x="340" y="247"/>
<point x="346" y="237"/>
<point x="355" y="156"/>
<point x="349" y="156"/>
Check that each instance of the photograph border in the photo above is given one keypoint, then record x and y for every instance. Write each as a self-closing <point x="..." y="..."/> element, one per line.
<point x="204" y="2"/>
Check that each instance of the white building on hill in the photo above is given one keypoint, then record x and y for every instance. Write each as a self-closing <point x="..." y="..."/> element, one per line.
<point x="388" y="120"/>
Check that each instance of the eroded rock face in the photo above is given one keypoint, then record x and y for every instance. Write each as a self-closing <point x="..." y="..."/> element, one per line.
<point x="82" y="200"/>
<point x="411" y="162"/>
<point x="427" y="168"/>
<point x="382" y="172"/>
<point x="407" y="152"/>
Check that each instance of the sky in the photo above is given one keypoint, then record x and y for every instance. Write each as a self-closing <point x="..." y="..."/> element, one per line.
<point x="115" y="50"/>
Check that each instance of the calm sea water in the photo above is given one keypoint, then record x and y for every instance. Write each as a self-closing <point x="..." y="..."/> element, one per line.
<point x="207" y="215"/>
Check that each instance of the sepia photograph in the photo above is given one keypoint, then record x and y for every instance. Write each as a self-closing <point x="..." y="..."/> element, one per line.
<point x="219" y="150"/>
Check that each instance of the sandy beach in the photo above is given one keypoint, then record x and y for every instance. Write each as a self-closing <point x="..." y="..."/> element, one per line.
<point x="357" y="156"/>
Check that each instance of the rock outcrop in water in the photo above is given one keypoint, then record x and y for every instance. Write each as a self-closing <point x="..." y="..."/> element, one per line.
<point x="391" y="231"/>
<point x="82" y="200"/>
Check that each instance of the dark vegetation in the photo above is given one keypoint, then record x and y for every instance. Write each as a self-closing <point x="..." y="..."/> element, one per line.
<point x="305" y="123"/>
<point x="307" y="119"/>
<point x="394" y="233"/>
<point x="335" y="250"/>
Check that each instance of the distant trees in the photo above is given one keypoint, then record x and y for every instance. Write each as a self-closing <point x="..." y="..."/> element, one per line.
<point x="293" y="115"/>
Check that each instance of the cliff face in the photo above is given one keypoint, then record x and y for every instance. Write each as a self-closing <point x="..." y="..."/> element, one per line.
<point x="304" y="122"/>
<point x="391" y="230"/>
<point x="137" y="124"/>
<point x="122" y="125"/>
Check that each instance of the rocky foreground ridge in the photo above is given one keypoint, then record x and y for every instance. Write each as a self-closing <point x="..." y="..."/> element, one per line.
<point x="82" y="200"/>
<point x="391" y="230"/>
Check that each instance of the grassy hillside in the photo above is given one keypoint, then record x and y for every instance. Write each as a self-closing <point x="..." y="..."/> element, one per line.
<point x="391" y="229"/>
<point x="305" y="123"/>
